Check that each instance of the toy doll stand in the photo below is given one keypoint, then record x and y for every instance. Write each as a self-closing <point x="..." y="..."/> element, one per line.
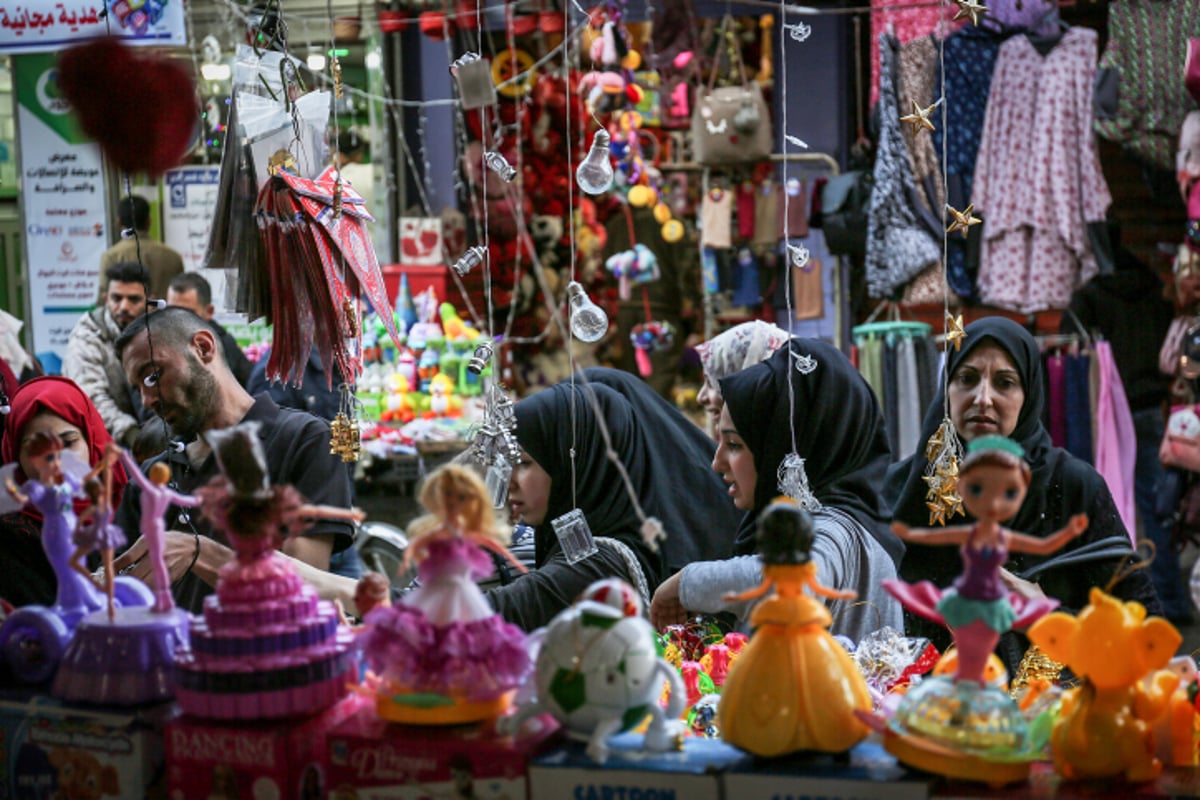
<point x="408" y="708"/>
<point x="127" y="661"/>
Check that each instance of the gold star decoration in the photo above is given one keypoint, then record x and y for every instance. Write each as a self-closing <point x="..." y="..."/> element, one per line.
<point x="956" y="334"/>
<point x="935" y="443"/>
<point x="937" y="514"/>
<point x="962" y="219"/>
<point x="919" y="118"/>
<point x="970" y="8"/>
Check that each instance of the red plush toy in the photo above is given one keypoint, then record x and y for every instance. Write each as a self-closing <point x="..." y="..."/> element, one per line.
<point x="141" y="108"/>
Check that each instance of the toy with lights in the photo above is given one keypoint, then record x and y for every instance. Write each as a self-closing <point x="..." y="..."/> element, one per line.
<point x="441" y="655"/>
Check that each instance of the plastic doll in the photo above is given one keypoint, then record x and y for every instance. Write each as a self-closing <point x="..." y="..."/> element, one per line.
<point x="992" y="481"/>
<point x="793" y="687"/>
<point x="444" y="638"/>
<point x="156" y="498"/>
<point x="94" y="531"/>
<point x="51" y="490"/>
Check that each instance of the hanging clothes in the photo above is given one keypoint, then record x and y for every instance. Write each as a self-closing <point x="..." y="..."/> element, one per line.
<point x="969" y="57"/>
<point x="1147" y="47"/>
<point x="908" y="393"/>
<point x="1038" y="180"/>
<point x="898" y="247"/>
<point x="1116" y="440"/>
<point x="768" y="210"/>
<point x="917" y="64"/>
<point x="813" y="304"/>
<point x="716" y="219"/>
<point x="1078" y="407"/>
<point x="1056" y="399"/>
<point x="906" y="23"/>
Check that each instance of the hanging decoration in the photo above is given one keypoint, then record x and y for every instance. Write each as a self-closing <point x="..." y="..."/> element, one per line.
<point x="970" y="9"/>
<point x="650" y="337"/>
<point x="943" y="451"/>
<point x="962" y="219"/>
<point x="345" y="438"/>
<point x="589" y="323"/>
<point x="594" y="175"/>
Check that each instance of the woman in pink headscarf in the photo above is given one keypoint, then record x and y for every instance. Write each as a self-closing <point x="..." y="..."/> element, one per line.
<point x="734" y="350"/>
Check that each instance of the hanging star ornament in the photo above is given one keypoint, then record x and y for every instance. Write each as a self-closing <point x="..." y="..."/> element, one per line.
<point x="972" y="9"/>
<point x="955" y="334"/>
<point x="962" y="219"/>
<point x="943" y="451"/>
<point x="919" y="118"/>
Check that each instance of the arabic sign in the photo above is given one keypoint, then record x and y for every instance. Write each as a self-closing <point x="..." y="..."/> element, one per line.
<point x="62" y="205"/>
<point x="188" y="211"/>
<point x="40" y="26"/>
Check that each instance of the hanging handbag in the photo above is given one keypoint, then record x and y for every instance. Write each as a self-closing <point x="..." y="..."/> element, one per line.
<point x="730" y="124"/>
<point x="843" y="216"/>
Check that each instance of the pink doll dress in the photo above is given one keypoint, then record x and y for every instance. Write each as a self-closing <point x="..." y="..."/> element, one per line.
<point x="99" y="533"/>
<point x="444" y="638"/>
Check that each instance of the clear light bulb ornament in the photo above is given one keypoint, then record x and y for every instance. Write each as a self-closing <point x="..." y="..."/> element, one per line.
<point x="589" y="323"/>
<point x="470" y="259"/>
<point x="499" y="165"/>
<point x="595" y="173"/>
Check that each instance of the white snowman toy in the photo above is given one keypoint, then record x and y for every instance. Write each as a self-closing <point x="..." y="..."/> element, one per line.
<point x="598" y="673"/>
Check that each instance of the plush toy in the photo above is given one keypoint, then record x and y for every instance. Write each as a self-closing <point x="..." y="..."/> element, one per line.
<point x="453" y="325"/>
<point x="1187" y="164"/>
<point x="1103" y="730"/>
<point x="1184" y="421"/>
<point x="398" y="408"/>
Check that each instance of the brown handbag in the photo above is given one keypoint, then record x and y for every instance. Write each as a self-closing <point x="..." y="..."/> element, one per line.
<point x="731" y="124"/>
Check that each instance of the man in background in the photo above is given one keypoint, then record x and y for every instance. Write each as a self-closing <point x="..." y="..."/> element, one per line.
<point x="133" y="213"/>
<point x="191" y="291"/>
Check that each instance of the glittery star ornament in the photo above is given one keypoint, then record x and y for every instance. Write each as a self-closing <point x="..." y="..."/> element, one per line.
<point x="955" y="334"/>
<point x="970" y="8"/>
<point x="793" y="482"/>
<point x="962" y="219"/>
<point x="919" y="118"/>
<point x="943" y="451"/>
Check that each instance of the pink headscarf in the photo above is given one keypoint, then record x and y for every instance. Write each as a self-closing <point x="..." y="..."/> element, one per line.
<point x="740" y="347"/>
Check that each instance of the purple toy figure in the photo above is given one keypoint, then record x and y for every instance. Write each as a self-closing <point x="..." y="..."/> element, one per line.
<point x="992" y="482"/>
<point x="51" y="491"/>
<point x="157" y="497"/>
<point x="94" y="531"/>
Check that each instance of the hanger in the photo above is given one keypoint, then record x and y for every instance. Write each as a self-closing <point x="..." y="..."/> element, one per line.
<point x="890" y="327"/>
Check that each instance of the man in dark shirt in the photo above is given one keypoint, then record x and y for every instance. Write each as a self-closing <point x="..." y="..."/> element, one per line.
<point x="174" y="360"/>
<point x="191" y="291"/>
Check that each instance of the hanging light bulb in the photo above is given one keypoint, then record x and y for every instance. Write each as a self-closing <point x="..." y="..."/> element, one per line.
<point x="499" y="165"/>
<point x="589" y="323"/>
<point x="595" y="173"/>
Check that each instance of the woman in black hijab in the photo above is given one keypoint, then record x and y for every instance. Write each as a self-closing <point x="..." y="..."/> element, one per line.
<point x="808" y="399"/>
<point x="549" y="425"/>
<point x="996" y="388"/>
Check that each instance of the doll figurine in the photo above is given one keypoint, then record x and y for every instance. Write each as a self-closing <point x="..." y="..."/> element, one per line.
<point x="95" y="531"/>
<point x="443" y="638"/>
<point x="992" y="481"/>
<point x="793" y="687"/>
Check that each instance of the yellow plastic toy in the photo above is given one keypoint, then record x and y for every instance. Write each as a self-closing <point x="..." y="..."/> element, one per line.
<point x="793" y="687"/>
<point x="443" y="402"/>
<point x="397" y="407"/>
<point x="453" y="325"/>
<point x="1104" y="729"/>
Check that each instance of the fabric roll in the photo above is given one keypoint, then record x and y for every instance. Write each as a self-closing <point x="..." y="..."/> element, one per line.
<point x="1116" y="440"/>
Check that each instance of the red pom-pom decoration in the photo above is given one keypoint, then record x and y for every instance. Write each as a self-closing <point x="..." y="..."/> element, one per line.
<point x="139" y="107"/>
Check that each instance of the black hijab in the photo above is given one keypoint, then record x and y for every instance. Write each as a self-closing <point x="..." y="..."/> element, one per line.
<point x="544" y="429"/>
<point x="702" y="524"/>
<point x="1061" y="486"/>
<point x="839" y="432"/>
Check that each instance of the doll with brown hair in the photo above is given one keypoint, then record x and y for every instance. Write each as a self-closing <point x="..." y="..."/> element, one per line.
<point x="443" y="638"/>
<point x="95" y="531"/>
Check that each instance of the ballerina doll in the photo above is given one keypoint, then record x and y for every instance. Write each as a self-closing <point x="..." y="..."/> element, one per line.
<point x="94" y="531"/>
<point x="992" y="481"/>
<point x="442" y="655"/>
<point x="793" y="687"/>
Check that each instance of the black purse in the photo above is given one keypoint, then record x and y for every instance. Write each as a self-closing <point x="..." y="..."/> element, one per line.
<point x="845" y="199"/>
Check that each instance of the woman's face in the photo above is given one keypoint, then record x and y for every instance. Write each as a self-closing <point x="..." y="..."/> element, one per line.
<point x="992" y="491"/>
<point x="710" y="399"/>
<point x="72" y="439"/>
<point x="529" y="491"/>
<point x="735" y="462"/>
<point x="986" y="395"/>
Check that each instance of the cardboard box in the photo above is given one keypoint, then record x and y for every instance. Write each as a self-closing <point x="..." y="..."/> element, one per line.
<point x="692" y="773"/>
<point x="870" y="772"/>
<point x="372" y="759"/>
<point x="284" y="759"/>
<point x="50" y="749"/>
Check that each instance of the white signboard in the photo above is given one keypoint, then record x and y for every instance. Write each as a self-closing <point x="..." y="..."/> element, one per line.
<point x="62" y="206"/>
<point x="41" y="26"/>
<point x="188" y="207"/>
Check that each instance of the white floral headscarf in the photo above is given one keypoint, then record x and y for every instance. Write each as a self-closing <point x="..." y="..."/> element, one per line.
<point x="739" y="347"/>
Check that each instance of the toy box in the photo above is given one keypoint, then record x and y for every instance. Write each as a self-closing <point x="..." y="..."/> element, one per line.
<point x="50" y="749"/>
<point x="693" y="772"/>
<point x="373" y="759"/>
<point x="419" y="279"/>
<point x="866" y="771"/>
<point x="283" y="759"/>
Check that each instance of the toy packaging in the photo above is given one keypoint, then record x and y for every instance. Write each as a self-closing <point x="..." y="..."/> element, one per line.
<point x="282" y="759"/>
<point x="870" y="772"/>
<point x="51" y="749"/>
<point x="373" y="759"/>
<point x="631" y="771"/>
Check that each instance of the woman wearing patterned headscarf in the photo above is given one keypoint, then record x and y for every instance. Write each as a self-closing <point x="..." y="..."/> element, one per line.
<point x="732" y="351"/>
<point x="809" y="400"/>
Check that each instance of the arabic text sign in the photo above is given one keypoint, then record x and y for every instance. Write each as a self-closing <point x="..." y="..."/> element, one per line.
<point x="38" y="26"/>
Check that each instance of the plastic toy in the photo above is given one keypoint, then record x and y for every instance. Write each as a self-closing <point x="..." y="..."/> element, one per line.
<point x="598" y="673"/>
<point x="1103" y="730"/>
<point x="453" y="325"/>
<point x="637" y="265"/>
<point x="793" y="687"/>
<point x="94" y="531"/>
<point x="441" y="654"/>
<point x="962" y="725"/>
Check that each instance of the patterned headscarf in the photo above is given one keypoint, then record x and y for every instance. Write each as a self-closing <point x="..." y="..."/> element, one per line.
<point x="739" y="347"/>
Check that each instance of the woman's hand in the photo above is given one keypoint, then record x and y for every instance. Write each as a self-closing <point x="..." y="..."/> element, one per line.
<point x="1020" y="586"/>
<point x="665" y="608"/>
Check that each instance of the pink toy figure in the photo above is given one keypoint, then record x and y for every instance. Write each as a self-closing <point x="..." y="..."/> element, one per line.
<point x="992" y="481"/>
<point x="156" y="498"/>
<point x="95" y="531"/>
